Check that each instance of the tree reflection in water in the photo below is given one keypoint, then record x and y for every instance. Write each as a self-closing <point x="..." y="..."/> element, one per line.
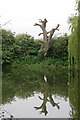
<point x="47" y="97"/>
<point x="74" y="93"/>
<point x="25" y="84"/>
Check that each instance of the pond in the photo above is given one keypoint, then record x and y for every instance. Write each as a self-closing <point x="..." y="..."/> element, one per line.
<point x="37" y="94"/>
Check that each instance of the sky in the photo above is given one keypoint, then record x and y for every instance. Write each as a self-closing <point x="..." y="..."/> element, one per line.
<point x="25" y="13"/>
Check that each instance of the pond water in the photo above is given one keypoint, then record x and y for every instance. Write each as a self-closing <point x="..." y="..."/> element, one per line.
<point x="36" y="94"/>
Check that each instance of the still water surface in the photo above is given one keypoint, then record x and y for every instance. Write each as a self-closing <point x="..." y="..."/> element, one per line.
<point x="25" y="108"/>
<point x="30" y="94"/>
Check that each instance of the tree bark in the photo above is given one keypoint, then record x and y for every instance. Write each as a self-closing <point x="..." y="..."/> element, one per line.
<point x="47" y="36"/>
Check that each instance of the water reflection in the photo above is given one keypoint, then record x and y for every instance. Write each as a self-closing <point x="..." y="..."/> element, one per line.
<point x="47" y="97"/>
<point x="36" y="90"/>
<point x="74" y="93"/>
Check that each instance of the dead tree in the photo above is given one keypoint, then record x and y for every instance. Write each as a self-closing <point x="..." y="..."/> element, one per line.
<point x="47" y="36"/>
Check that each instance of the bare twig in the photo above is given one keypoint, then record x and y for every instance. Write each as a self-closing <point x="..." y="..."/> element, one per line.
<point x="40" y="34"/>
<point x="6" y="23"/>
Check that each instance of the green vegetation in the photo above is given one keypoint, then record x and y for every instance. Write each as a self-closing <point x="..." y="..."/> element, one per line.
<point x="74" y="92"/>
<point x="27" y="67"/>
<point x="74" y="41"/>
<point x="23" y="48"/>
<point x="74" y="63"/>
<point x="17" y="47"/>
<point x="22" y="81"/>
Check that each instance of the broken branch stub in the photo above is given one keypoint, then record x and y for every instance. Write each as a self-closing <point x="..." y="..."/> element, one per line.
<point x="46" y="38"/>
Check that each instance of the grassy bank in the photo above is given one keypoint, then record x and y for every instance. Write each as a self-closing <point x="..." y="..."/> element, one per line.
<point x="34" y="64"/>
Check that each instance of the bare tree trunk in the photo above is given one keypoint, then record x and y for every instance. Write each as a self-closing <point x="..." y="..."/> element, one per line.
<point x="47" y="36"/>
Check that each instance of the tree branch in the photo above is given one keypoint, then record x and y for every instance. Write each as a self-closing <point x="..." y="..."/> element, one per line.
<point x="40" y="98"/>
<point x="40" y="34"/>
<point x="43" y="22"/>
<point x="39" y="26"/>
<point x="52" y="32"/>
<point x="42" y="25"/>
<point x="6" y="23"/>
<point x="46" y="38"/>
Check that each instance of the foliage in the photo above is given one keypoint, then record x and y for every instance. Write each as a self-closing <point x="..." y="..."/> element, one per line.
<point x="18" y="46"/>
<point x="24" y="48"/>
<point x="73" y="46"/>
<point x="79" y="32"/>
<point x="8" y="41"/>
<point x="26" y="45"/>
<point x="59" y="47"/>
<point x="73" y="89"/>
<point x="74" y="40"/>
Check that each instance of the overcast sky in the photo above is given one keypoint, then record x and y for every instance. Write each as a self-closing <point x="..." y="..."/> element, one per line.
<point x="25" y="13"/>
